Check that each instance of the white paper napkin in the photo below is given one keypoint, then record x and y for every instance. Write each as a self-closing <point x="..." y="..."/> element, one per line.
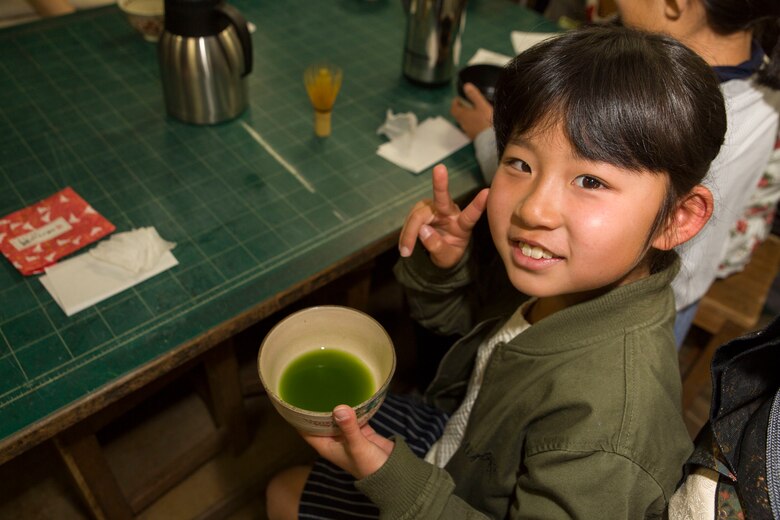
<point x="83" y="281"/>
<point x="433" y="140"/>
<point x="109" y="268"/>
<point x="489" y="57"/>
<point x="523" y="40"/>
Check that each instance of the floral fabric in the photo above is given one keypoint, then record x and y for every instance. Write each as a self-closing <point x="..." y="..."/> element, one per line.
<point x="756" y="223"/>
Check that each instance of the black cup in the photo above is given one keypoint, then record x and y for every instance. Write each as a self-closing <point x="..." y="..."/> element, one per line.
<point x="483" y="75"/>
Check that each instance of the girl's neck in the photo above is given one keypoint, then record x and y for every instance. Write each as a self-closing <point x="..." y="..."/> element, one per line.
<point x="548" y="305"/>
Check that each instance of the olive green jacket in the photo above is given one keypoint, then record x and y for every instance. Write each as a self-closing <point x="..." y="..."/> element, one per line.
<point x="577" y="417"/>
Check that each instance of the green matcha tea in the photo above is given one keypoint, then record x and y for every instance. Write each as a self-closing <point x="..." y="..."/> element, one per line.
<point x="320" y="380"/>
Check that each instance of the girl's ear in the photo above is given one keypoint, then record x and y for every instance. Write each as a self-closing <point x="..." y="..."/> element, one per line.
<point x="674" y="8"/>
<point x="688" y="218"/>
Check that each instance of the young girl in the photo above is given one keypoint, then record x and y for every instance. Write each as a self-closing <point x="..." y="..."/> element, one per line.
<point x="740" y="40"/>
<point x="568" y="405"/>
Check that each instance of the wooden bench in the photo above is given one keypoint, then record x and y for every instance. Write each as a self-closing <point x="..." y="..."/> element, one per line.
<point x="731" y="307"/>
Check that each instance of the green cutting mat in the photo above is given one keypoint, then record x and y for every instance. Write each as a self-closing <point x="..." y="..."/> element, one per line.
<point x="81" y="106"/>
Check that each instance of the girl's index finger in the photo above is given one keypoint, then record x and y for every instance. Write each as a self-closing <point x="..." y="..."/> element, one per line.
<point x="442" y="202"/>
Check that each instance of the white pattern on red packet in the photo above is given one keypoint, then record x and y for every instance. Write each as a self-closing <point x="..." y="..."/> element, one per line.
<point x="37" y="236"/>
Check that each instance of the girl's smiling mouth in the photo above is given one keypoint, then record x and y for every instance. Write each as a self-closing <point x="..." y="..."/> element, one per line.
<point x="535" y="252"/>
<point x="532" y="256"/>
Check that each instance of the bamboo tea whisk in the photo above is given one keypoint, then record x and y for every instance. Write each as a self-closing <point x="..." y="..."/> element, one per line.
<point x="322" y="81"/>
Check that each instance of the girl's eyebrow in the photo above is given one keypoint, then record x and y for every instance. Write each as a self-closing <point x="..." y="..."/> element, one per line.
<point x="520" y="141"/>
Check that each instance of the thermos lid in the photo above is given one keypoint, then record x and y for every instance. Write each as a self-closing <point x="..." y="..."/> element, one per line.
<point x="194" y="17"/>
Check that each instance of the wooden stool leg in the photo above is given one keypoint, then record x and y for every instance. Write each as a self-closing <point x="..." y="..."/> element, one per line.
<point x="225" y="391"/>
<point x="89" y="469"/>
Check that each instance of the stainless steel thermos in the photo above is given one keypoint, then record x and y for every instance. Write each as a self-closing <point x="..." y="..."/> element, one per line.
<point x="205" y="54"/>
<point x="432" y="45"/>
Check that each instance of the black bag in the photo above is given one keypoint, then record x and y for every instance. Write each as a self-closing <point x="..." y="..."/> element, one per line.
<point x="741" y="440"/>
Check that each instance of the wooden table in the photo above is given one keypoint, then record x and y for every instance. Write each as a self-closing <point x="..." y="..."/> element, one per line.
<point x="81" y="106"/>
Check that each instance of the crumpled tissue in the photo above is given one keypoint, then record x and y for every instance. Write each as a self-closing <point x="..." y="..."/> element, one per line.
<point x="415" y="147"/>
<point x="114" y="265"/>
<point x="398" y="125"/>
<point x="137" y="250"/>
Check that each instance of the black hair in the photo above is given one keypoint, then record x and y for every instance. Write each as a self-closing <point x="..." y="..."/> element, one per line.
<point x="637" y="100"/>
<point x="760" y="16"/>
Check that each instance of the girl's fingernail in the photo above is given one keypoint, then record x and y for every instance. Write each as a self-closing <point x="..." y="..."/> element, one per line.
<point x="425" y="231"/>
<point x="340" y="414"/>
<point x="405" y="251"/>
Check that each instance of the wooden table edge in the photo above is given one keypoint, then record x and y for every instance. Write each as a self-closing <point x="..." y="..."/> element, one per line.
<point x="70" y="415"/>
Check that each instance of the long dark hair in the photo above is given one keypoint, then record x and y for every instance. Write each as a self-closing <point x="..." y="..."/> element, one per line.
<point x="637" y="100"/>
<point x="760" y="16"/>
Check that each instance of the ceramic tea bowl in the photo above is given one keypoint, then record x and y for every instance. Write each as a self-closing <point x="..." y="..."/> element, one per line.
<point x="145" y="16"/>
<point x="322" y="328"/>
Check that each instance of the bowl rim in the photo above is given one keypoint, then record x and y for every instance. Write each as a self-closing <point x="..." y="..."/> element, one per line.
<point x="127" y="7"/>
<point x="379" y="391"/>
<point x="479" y="66"/>
<point x="482" y="65"/>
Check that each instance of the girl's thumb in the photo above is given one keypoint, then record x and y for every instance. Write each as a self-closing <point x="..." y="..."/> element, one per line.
<point x="429" y="238"/>
<point x="347" y="420"/>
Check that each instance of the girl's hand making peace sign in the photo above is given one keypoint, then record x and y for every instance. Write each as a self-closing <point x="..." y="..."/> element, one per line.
<point x="443" y="229"/>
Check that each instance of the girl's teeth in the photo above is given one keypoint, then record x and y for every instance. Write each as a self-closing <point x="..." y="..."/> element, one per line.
<point x="534" y="252"/>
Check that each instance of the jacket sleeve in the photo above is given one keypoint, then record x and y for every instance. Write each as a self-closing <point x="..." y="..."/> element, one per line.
<point x="438" y="298"/>
<point x="406" y="487"/>
<point x="453" y="301"/>
<point x="557" y="485"/>
<point x="570" y="484"/>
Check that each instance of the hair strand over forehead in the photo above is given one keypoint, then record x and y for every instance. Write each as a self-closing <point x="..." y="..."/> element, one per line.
<point x="636" y="100"/>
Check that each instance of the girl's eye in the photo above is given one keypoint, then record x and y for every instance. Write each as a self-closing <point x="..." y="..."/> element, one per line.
<point x="520" y="165"/>
<point x="588" y="182"/>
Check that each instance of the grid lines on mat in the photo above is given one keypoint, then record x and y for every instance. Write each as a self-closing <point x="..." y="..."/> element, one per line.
<point x="81" y="105"/>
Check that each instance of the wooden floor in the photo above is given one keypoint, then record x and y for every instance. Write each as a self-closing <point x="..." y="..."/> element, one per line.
<point x="35" y="485"/>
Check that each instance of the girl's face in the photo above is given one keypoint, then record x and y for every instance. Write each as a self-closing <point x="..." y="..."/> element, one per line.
<point x="564" y="225"/>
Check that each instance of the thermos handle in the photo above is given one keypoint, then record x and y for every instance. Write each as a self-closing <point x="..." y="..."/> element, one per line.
<point x="238" y="21"/>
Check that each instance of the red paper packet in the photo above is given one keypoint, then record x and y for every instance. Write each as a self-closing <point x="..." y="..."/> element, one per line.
<point x="37" y="236"/>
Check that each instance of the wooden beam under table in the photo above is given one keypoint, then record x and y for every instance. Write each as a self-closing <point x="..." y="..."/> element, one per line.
<point x="225" y="394"/>
<point x="93" y="477"/>
<point x="91" y="473"/>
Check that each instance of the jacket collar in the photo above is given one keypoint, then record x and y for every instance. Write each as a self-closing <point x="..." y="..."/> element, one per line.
<point x="620" y="310"/>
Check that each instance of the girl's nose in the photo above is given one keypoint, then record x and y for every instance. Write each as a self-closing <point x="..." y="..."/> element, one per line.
<point x="539" y="206"/>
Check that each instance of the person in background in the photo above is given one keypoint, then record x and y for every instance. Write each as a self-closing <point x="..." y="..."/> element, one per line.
<point x="569" y="13"/>
<point x="740" y="41"/>
<point x="568" y="404"/>
<point x="755" y="224"/>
